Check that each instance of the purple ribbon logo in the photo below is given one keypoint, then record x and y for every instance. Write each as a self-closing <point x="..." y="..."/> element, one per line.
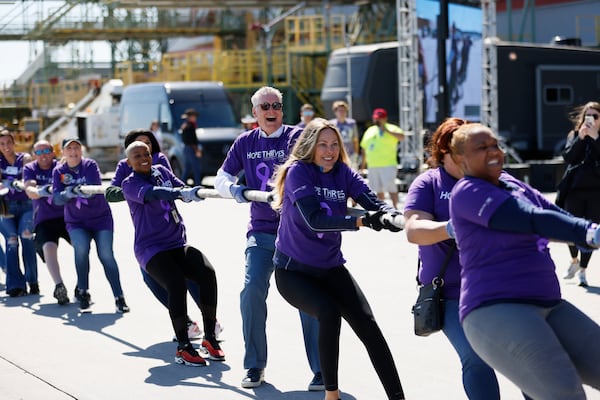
<point x="263" y="173"/>
<point x="327" y="209"/>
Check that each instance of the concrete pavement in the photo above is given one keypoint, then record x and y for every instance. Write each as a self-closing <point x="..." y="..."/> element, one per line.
<point x="54" y="353"/>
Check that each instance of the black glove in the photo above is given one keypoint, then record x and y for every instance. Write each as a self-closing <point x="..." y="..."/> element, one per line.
<point x="373" y="220"/>
<point x="393" y="222"/>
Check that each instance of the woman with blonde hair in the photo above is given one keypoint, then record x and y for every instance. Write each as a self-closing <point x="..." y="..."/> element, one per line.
<point x="314" y="185"/>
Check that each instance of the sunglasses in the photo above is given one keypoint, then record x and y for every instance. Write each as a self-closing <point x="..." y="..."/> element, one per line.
<point x="595" y="116"/>
<point x="275" y="106"/>
<point x="43" y="151"/>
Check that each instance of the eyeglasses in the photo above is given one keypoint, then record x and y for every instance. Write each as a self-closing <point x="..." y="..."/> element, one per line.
<point x="595" y="116"/>
<point x="47" y="150"/>
<point x="275" y="106"/>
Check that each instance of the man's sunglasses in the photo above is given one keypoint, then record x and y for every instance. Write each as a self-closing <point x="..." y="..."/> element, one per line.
<point x="47" y="150"/>
<point x="595" y="116"/>
<point x="275" y="106"/>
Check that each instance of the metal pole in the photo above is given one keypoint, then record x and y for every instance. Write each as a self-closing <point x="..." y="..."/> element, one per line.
<point x="348" y="75"/>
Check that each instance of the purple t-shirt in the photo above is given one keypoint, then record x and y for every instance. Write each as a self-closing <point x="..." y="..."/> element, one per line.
<point x="92" y="213"/>
<point x="258" y="157"/>
<point x="496" y="265"/>
<point x="43" y="208"/>
<point x="158" y="224"/>
<point x="123" y="169"/>
<point x="12" y="172"/>
<point x="430" y="193"/>
<point x="332" y="189"/>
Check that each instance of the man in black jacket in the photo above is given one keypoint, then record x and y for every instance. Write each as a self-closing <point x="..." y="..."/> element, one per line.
<point x="192" y="150"/>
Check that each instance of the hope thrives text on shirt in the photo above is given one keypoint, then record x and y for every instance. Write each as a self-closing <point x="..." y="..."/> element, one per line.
<point x="272" y="154"/>
<point x="331" y="194"/>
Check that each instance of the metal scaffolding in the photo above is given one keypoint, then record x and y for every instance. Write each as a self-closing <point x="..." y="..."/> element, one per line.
<point x="489" y="81"/>
<point x="409" y="90"/>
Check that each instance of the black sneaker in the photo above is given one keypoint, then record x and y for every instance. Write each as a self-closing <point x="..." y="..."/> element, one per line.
<point x="254" y="378"/>
<point x="60" y="294"/>
<point x="34" y="288"/>
<point x="17" y="292"/>
<point x="76" y="294"/>
<point x="317" y="384"/>
<point x="84" y="300"/>
<point x="122" y="307"/>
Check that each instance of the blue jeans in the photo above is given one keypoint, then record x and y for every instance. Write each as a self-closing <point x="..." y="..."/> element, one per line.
<point x="80" y="240"/>
<point x="13" y="229"/>
<point x="191" y="163"/>
<point x="548" y="352"/>
<point x="479" y="380"/>
<point x="161" y="293"/>
<point x="260" y="248"/>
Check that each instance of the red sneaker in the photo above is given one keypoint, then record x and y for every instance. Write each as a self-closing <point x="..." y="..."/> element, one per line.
<point x="189" y="356"/>
<point x="213" y="349"/>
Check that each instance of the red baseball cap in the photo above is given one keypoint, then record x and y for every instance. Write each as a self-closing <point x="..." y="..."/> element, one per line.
<point x="379" y="113"/>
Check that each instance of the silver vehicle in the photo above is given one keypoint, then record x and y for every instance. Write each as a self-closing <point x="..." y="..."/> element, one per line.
<point x="166" y="102"/>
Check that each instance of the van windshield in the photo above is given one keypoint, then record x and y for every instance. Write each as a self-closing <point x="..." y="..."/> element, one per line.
<point x="213" y="114"/>
<point x="337" y="69"/>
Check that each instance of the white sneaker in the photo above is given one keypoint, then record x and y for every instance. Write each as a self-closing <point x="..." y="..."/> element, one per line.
<point x="573" y="268"/>
<point x="582" y="280"/>
<point x="194" y="330"/>
<point x="218" y="329"/>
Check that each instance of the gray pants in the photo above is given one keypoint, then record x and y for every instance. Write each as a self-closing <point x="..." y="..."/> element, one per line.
<point x="548" y="352"/>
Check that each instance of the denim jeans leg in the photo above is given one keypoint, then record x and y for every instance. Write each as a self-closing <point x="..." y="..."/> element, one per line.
<point x="259" y="268"/>
<point x="80" y="240"/>
<point x="14" y="276"/>
<point x="479" y="380"/>
<point x="310" y="332"/>
<point x="28" y="246"/>
<point x="158" y="291"/>
<point x="104" y="246"/>
<point x="517" y="341"/>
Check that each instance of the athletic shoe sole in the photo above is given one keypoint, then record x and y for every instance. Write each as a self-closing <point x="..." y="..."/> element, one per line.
<point x="180" y="360"/>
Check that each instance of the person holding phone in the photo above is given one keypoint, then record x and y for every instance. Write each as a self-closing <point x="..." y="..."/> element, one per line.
<point x="582" y="151"/>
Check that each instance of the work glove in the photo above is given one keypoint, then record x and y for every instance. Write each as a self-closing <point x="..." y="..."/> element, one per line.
<point x="189" y="194"/>
<point x="44" y="191"/>
<point x="393" y="222"/>
<point x="79" y="193"/>
<point x="373" y="220"/>
<point x="237" y="191"/>
<point x="592" y="237"/>
<point x="450" y="230"/>
<point x="69" y="192"/>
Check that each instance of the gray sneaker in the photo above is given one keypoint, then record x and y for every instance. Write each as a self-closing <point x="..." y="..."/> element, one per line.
<point x="582" y="280"/>
<point x="254" y="378"/>
<point x="573" y="268"/>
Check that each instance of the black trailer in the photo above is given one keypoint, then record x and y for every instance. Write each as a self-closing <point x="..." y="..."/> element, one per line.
<point x="538" y="86"/>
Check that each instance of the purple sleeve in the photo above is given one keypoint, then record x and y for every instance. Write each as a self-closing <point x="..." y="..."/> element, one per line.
<point x="57" y="184"/>
<point x="233" y="161"/>
<point x="161" y="159"/>
<point x="29" y="172"/>
<point x="476" y="200"/>
<point x="420" y="195"/>
<point x="121" y="172"/>
<point x="134" y="189"/>
<point x="92" y="172"/>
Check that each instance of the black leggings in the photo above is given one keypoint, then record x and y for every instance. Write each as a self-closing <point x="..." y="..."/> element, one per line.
<point x="585" y="205"/>
<point x="329" y="296"/>
<point x="171" y="268"/>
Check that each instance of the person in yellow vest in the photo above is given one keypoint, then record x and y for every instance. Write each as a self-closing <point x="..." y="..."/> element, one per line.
<point x="380" y="155"/>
